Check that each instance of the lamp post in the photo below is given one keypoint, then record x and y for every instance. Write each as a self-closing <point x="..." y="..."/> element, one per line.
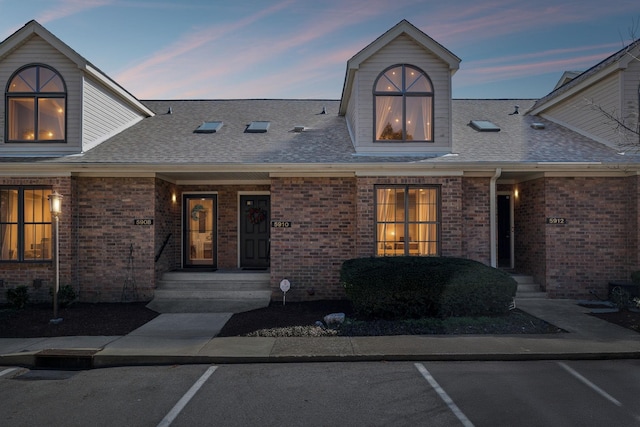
<point x="55" y="205"/>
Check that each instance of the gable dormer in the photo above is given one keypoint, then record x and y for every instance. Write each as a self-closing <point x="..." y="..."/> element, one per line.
<point x="55" y="102"/>
<point x="397" y="94"/>
<point x="601" y="103"/>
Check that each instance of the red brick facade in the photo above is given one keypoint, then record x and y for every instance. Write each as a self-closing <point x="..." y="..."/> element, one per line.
<point x="333" y="219"/>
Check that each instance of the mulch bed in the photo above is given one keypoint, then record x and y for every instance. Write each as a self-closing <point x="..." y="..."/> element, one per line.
<point x="85" y="319"/>
<point x="79" y="319"/>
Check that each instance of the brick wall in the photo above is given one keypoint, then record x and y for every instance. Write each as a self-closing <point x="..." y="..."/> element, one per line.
<point x="106" y="209"/>
<point x="322" y="235"/>
<point x="167" y="222"/>
<point x="592" y="247"/>
<point x="529" y="218"/>
<point x="476" y="235"/>
<point x="598" y="243"/>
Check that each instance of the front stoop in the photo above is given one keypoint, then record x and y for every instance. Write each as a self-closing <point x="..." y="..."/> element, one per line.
<point x="527" y="287"/>
<point x="211" y="292"/>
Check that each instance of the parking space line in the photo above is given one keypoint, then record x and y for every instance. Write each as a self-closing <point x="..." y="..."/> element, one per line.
<point x="175" y="411"/>
<point x="7" y="371"/>
<point x="591" y="385"/>
<point x="443" y="395"/>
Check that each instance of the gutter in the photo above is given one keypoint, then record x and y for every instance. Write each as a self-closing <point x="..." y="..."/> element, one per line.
<point x="493" y="202"/>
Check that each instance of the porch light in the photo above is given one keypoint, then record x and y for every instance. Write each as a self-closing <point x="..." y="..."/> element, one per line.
<point x="55" y="205"/>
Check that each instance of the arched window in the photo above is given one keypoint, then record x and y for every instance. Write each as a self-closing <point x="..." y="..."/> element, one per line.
<point x="403" y="98"/>
<point x="36" y="105"/>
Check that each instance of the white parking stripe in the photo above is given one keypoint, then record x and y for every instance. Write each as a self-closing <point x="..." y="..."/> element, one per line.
<point x="443" y="395"/>
<point x="175" y="411"/>
<point x="590" y="384"/>
<point x="7" y="371"/>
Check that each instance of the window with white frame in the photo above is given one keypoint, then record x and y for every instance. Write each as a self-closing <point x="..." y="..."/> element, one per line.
<point x="403" y="105"/>
<point x="35" y="101"/>
<point x="25" y="224"/>
<point x="407" y="220"/>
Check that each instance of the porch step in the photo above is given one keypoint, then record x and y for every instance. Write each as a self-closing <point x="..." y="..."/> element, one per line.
<point x="211" y="292"/>
<point x="527" y="287"/>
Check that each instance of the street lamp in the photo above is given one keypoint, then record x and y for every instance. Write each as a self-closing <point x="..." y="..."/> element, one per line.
<point x="55" y="205"/>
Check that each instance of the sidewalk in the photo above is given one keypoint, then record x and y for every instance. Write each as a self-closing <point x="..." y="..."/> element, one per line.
<point x="190" y="338"/>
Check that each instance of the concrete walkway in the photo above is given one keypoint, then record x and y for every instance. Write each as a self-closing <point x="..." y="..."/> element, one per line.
<point x="191" y="338"/>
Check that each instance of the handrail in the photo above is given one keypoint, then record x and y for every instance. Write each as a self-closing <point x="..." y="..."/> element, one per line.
<point x="162" y="247"/>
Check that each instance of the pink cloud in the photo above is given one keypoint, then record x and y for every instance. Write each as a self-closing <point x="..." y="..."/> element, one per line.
<point x="67" y="8"/>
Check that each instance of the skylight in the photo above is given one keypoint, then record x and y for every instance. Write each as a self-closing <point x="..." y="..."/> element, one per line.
<point x="209" y="127"/>
<point x="258" y="127"/>
<point x="484" y="126"/>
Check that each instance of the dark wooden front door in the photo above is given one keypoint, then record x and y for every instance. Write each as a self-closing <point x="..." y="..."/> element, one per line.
<point x="254" y="231"/>
<point x="504" y="231"/>
<point x="199" y="231"/>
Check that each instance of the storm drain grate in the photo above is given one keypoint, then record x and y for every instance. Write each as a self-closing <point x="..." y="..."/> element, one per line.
<point x="65" y="359"/>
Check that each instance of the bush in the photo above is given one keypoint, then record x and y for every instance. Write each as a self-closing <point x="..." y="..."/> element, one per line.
<point x="414" y="287"/>
<point x="18" y="297"/>
<point x="66" y="295"/>
<point x="635" y="277"/>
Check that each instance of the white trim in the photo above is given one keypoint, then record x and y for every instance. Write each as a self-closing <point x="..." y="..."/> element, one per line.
<point x="221" y="182"/>
<point x="424" y="173"/>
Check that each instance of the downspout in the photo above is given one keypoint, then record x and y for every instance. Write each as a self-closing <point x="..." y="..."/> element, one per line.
<point x="493" y="216"/>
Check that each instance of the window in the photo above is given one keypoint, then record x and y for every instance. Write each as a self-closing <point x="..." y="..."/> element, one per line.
<point x="25" y="224"/>
<point x="407" y="220"/>
<point x="403" y="105"/>
<point x="36" y="104"/>
<point x="209" y="127"/>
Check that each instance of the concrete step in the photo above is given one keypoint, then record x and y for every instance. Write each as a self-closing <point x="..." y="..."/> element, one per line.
<point x="527" y="287"/>
<point x="211" y="292"/>
<point x="189" y="293"/>
<point x="186" y="305"/>
<point x="531" y="295"/>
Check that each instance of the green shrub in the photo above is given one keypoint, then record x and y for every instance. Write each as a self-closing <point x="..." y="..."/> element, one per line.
<point x="635" y="277"/>
<point x="66" y="295"/>
<point x="18" y="297"/>
<point x="414" y="287"/>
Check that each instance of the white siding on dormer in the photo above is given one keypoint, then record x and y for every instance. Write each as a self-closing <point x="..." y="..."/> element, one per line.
<point x="352" y="110"/>
<point x="37" y="51"/>
<point x="402" y="50"/>
<point x="579" y="113"/>
<point x="631" y="99"/>
<point x="104" y="114"/>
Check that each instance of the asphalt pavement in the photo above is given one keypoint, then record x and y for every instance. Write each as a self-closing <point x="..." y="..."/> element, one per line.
<point x="184" y="338"/>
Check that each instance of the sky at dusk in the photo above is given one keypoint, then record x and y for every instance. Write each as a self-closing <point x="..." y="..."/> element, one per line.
<point x="205" y="49"/>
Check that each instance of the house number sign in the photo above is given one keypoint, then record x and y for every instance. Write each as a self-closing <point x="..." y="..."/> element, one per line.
<point x="143" y="221"/>
<point x="554" y="220"/>
<point x="280" y="224"/>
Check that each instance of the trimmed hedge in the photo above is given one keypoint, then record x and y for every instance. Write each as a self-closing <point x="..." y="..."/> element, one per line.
<point x="414" y="287"/>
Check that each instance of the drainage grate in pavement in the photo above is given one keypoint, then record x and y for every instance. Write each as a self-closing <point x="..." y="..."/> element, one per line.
<point x="65" y="359"/>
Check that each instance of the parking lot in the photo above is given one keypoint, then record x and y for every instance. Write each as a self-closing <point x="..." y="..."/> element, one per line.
<point x="539" y="393"/>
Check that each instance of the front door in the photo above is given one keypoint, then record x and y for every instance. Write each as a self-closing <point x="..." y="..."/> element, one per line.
<point x="505" y="228"/>
<point x="254" y="231"/>
<point x="199" y="231"/>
